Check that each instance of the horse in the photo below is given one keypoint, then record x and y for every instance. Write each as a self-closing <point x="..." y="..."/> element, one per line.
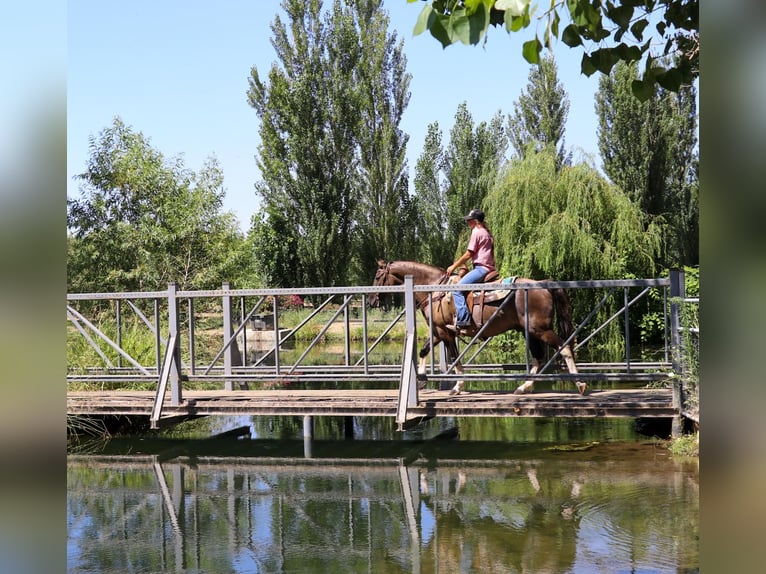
<point x="541" y="305"/>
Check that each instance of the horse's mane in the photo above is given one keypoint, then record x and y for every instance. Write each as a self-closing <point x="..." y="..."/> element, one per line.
<point x="417" y="264"/>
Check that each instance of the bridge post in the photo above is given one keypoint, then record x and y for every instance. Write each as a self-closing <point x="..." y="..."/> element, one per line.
<point x="173" y="328"/>
<point x="227" y="331"/>
<point x="677" y="293"/>
<point x="408" y="387"/>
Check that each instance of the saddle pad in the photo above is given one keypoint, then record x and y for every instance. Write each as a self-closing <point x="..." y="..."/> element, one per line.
<point x="497" y="295"/>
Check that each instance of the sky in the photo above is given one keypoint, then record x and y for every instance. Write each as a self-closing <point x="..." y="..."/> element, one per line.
<point x="177" y="71"/>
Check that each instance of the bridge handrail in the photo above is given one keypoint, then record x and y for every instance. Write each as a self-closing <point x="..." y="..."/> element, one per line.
<point x="368" y="289"/>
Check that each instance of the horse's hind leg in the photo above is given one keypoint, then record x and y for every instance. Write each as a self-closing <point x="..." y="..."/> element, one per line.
<point x="556" y="342"/>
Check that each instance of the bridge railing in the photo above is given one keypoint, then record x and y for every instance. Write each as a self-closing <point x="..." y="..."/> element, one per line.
<point x="172" y="317"/>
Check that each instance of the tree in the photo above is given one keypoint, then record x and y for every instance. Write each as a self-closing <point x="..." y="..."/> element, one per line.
<point x="332" y="156"/>
<point x="143" y="221"/>
<point x="436" y="246"/>
<point x="649" y="150"/>
<point x="569" y="224"/>
<point x="384" y="222"/>
<point x="471" y="162"/>
<point x="618" y="31"/>
<point x="306" y="156"/>
<point x="540" y="113"/>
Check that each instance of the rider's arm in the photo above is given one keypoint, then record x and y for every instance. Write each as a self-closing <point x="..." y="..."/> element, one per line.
<point x="464" y="258"/>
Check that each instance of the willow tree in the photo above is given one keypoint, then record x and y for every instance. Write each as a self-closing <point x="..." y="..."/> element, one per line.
<point x="568" y="224"/>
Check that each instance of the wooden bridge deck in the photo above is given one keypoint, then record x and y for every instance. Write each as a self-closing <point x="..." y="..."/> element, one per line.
<point x="633" y="403"/>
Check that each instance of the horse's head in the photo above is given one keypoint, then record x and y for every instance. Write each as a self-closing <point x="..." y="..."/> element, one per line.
<point x="381" y="279"/>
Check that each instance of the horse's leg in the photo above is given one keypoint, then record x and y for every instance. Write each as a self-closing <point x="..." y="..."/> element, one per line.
<point x="452" y="354"/>
<point x="566" y="352"/>
<point x="556" y="342"/>
<point x="536" y="349"/>
<point x="424" y="352"/>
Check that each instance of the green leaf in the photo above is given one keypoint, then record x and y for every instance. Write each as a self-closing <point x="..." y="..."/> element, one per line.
<point x="628" y="53"/>
<point x="621" y="15"/>
<point x="586" y="65"/>
<point x="514" y="7"/>
<point x="637" y="29"/>
<point x="671" y="80"/>
<point x="531" y="51"/>
<point x="461" y="27"/>
<point x="424" y="20"/>
<point x="514" y="23"/>
<point x="571" y="37"/>
<point x="642" y="89"/>
<point x="555" y="24"/>
<point x="604" y="59"/>
<point x="440" y="32"/>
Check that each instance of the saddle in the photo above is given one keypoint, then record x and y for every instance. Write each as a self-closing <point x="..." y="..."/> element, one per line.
<point x="479" y="298"/>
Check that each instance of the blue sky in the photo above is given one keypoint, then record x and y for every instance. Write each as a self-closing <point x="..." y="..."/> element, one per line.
<point x="177" y="72"/>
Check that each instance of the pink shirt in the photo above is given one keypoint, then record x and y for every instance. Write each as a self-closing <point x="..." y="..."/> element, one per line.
<point x="482" y="248"/>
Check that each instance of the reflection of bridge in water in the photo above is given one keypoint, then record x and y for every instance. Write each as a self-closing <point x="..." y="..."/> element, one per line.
<point x="389" y="389"/>
<point x="410" y="507"/>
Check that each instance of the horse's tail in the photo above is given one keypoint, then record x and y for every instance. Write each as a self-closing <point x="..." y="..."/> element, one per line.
<point x="563" y="314"/>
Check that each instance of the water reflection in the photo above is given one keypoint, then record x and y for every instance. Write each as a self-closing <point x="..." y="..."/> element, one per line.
<point x="423" y="507"/>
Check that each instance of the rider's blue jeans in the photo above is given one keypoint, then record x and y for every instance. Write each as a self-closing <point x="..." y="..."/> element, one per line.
<point x="475" y="275"/>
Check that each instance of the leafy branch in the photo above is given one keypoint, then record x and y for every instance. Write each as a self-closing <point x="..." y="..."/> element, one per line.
<point x="622" y="30"/>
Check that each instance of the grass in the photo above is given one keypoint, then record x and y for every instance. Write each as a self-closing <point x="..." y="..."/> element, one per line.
<point x="687" y="445"/>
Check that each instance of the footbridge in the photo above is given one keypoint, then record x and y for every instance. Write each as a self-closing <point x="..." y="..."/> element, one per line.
<point x="175" y="354"/>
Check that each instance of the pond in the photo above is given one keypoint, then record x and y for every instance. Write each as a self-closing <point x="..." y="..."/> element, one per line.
<point x="453" y="495"/>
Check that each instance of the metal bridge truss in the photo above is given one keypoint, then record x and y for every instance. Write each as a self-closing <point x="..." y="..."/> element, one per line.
<point x="230" y="364"/>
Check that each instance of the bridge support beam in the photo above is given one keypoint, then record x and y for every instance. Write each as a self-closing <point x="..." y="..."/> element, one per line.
<point x="408" y="386"/>
<point x="677" y="293"/>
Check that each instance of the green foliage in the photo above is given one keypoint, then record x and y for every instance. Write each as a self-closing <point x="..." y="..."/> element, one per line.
<point x="143" y="221"/>
<point x="569" y="224"/>
<point x="540" y="113"/>
<point x="434" y="242"/>
<point x="649" y="150"/>
<point x="686" y="446"/>
<point x="471" y="163"/>
<point x="606" y="32"/>
<point x="332" y="155"/>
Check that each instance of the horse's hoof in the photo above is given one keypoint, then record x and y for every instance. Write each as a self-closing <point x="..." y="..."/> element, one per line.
<point x="454" y="392"/>
<point x="582" y="388"/>
<point x="520" y="391"/>
<point x="422" y="383"/>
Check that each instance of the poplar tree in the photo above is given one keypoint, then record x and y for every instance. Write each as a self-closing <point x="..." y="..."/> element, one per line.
<point x="471" y="162"/>
<point x="649" y="150"/>
<point x="384" y="218"/>
<point x="540" y="114"/>
<point x="435" y="244"/>
<point x="309" y="121"/>
<point x="332" y="155"/>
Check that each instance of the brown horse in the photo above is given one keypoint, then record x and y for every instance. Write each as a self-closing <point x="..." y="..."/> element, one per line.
<point x="541" y="305"/>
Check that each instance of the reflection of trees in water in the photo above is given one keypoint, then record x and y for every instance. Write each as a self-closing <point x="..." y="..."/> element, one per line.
<point x="275" y="514"/>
